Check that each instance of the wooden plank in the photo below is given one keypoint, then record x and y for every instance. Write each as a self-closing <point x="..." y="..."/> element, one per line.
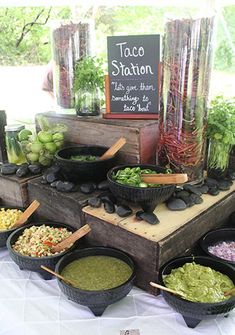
<point x="170" y="221"/>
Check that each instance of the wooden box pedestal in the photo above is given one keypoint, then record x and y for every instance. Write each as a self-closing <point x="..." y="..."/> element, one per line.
<point x="152" y="245"/>
<point x="14" y="190"/>
<point x="141" y="135"/>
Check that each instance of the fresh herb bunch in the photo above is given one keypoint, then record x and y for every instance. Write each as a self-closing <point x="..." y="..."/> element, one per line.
<point x="89" y="74"/>
<point x="221" y="131"/>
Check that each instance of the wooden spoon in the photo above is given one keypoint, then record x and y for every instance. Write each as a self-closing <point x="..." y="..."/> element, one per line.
<point x="71" y="239"/>
<point x="164" y="178"/>
<point x="68" y="281"/>
<point x="26" y="214"/>
<point x="229" y="292"/>
<point x="164" y="288"/>
<point x="113" y="149"/>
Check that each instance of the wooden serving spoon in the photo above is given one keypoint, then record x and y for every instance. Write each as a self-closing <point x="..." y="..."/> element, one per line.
<point x="71" y="239"/>
<point x="164" y="178"/>
<point x="164" y="288"/>
<point x="229" y="291"/>
<point x="113" y="149"/>
<point x="26" y="214"/>
<point x="68" y="281"/>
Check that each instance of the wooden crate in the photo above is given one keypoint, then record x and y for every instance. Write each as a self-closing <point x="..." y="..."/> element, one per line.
<point x="152" y="245"/>
<point x="57" y="206"/>
<point x="14" y="190"/>
<point x="141" y="135"/>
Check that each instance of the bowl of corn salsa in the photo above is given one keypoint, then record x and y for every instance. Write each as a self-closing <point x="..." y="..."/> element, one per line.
<point x="8" y="217"/>
<point x="30" y="246"/>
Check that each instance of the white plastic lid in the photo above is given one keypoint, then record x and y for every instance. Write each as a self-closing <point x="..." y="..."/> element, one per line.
<point x="14" y="127"/>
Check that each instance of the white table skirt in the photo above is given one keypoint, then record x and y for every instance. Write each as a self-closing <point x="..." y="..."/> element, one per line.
<point x="30" y="305"/>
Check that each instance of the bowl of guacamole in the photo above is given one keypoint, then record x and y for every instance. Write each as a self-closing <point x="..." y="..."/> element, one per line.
<point x="100" y="277"/>
<point x="202" y="282"/>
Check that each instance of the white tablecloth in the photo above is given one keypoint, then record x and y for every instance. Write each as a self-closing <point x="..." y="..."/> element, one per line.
<point x="30" y="305"/>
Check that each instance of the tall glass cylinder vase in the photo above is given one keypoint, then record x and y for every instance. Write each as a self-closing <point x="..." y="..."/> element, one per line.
<point x="70" y="42"/>
<point x="187" y="63"/>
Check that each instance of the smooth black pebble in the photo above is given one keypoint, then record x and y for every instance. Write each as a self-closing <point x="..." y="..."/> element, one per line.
<point x="94" y="202"/>
<point x="35" y="168"/>
<point x="224" y="185"/>
<point x="192" y="189"/>
<point x="22" y="171"/>
<point x="149" y="217"/>
<point x="213" y="190"/>
<point x="103" y="185"/>
<point x="123" y="211"/>
<point x="196" y="199"/>
<point x="176" y="204"/>
<point x="109" y="207"/>
<point x="87" y="188"/>
<point x="8" y="169"/>
<point x="65" y="186"/>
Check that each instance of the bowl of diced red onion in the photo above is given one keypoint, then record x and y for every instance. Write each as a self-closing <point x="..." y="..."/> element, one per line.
<point x="220" y="244"/>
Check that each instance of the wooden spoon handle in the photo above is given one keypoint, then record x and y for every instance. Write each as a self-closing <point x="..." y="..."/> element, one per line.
<point x="161" y="178"/>
<point x="113" y="149"/>
<point x="27" y="213"/>
<point x="71" y="239"/>
<point x="164" y="288"/>
<point x="57" y="275"/>
<point x="229" y="291"/>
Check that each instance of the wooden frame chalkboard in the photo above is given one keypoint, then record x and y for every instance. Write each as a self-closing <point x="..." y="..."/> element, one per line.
<point x="132" y="84"/>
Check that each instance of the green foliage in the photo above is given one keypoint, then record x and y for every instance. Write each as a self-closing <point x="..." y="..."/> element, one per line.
<point x="221" y="131"/>
<point x="24" y="34"/>
<point x="89" y="74"/>
<point x="221" y="120"/>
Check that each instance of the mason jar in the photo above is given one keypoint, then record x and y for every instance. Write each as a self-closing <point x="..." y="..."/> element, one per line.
<point x="14" y="150"/>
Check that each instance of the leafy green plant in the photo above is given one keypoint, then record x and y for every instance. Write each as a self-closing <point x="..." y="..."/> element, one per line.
<point x="89" y="74"/>
<point x="221" y="131"/>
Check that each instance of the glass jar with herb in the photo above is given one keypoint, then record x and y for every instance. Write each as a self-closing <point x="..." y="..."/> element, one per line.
<point x="14" y="149"/>
<point x="221" y="134"/>
<point x="88" y="86"/>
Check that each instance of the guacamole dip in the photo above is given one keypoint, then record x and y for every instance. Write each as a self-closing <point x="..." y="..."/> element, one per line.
<point x="96" y="273"/>
<point x="199" y="283"/>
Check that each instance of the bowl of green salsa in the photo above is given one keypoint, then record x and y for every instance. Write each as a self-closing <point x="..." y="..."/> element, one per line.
<point x="100" y="276"/>
<point x="202" y="282"/>
<point x="81" y="162"/>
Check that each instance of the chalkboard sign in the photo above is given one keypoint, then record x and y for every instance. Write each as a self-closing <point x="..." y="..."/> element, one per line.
<point x="133" y="68"/>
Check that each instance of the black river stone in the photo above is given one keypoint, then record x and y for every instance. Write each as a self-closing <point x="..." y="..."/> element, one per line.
<point x="176" y="204"/>
<point x="192" y="189"/>
<point x="35" y="168"/>
<point x="87" y="188"/>
<point x="51" y="177"/>
<point x="231" y="174"/>
<point x="224" y="185"/>
<point x="138" y="215"/>
<point x="109" y="207"/>
<point x="204" y="189"/>
<point x="182" y="194"/>
<point x="188" y="201"/>
<point x="54" y="183"/>
<point x="103" y="185"/>
<point x="196" y="199"/>
<point x="149" y="217"/>
<point x="9" y="168"/>
<point x="123" y="211"/>
<point x="65" y="186"/>
<point x="211" y="182"/>
<point x="94" y="202"/>
<point x="213" y="190"/>
<point x="53" y="169"/>
<point x="107" y="196"/>
<point x="22" y="171"/>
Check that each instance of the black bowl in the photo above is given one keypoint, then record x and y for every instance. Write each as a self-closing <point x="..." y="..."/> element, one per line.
<point x="146" y="197"/>
<point x="84" y="171"/>
<point x="96" y="301"/>
<point x="34" y="263"/>
<point x="194" y="312"/>
<point x="216" y="236"/>
<point x="4" y="234"/>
